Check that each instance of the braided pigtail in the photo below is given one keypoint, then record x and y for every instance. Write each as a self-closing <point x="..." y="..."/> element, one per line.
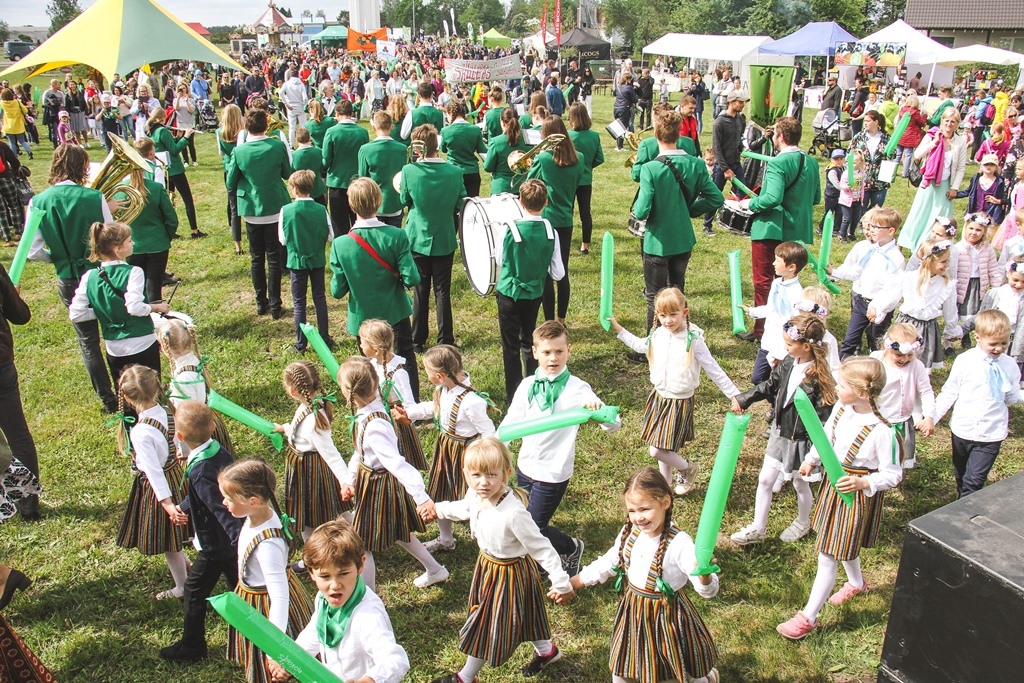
<point x="195" y="350"/>
<point x="123" y="443"/>
<point x="659" y="555"/>
<point x="627" y="530"/>
<point x="437" y="402"/>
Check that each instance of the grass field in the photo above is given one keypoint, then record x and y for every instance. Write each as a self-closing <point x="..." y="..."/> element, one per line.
<point x="90" y="615"/>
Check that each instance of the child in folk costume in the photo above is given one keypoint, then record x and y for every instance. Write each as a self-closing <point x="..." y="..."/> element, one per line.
<point x="314" y="468"/>
<point x="927" y="293"/>
<point x="870" y="455"/>
<point x="151" y="521"/>
<point x="818" y="300"/>
<point x="907" y="386"/>
<point x="676" y="352"/>
<point x="805" y="366"/>
<point x="506" y="598"/>
<point x="460" y="414"/>
<point x="1009" y="298"/>
<point x="390" y="496"/>
<point x="978" y="270"/>
<point x="377" y="341"/>
<point x="265" y="581"/>
<point x="658" y="634"/>
<point x="350" y="629"/>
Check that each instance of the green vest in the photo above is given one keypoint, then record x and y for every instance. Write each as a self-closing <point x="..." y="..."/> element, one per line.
<point x="426" y="113"/>
<point x="462" y="142"/>
<point x="341" y="152"/>
<point x="381" y="160"/>
<point x="311" y="159"/>
<point x="526" y="260"/>
<point x="164" y="141"/>
<point x="304" y="223"/>
<point x="492" y="122"/>
<point x="496" y="163"/>
<point x="785" y="214"/>
<point x="588" y="147"/>
<point x="317" y="131"/>
<point x="432" y="190"/>
<point x="69" y="211"/>
<point x="562" y="183"/>
<point x="396" y="133"/>
<point x="108" y="304"/>
<point x="156" y="224"/>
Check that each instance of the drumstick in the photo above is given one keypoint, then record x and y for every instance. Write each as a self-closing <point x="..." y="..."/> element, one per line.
<point x="168" y="302"/>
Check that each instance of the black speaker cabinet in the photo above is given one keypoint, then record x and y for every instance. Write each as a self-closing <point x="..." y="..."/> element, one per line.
<point x="958" y="608"/>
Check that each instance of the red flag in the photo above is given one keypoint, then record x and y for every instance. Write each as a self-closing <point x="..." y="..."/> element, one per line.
<point x="558" y="22"/>
<point x="544" y="23"/>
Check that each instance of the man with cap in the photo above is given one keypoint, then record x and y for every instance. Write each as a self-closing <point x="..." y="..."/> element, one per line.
<point x="727" y="143"/>
<point x="833" y="97"/>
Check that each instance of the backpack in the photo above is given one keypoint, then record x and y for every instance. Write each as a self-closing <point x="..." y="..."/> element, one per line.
<point x="989" y="115"/>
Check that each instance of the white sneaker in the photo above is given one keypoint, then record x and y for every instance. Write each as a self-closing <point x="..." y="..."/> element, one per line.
<point x="795" y="531"/>
<point x="747" y="535"/>
<point x="909" y="463"/>
<point x="780" y="481"/>
<point x="685" y="480"/>
<point x="437" y="544"/>
<point x="195" y="163"/>
<point x="427" y="579"/>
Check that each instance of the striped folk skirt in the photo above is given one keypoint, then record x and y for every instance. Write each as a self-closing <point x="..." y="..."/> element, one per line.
<point x="242" y="651"/>
<point x="144" y="524"/>
<point x="385" y="513"/>
<point x="446" y="480"/>
<point x="668" y="422"/>
<point x="506" y="608"/>
<point x="311" y="491"/>
<point x="409" y="445"/>
<point x="655" y="638"/>
<point x="843" y="531"/>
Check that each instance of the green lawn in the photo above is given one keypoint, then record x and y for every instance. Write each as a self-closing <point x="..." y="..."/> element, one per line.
<point x="90" y="615"/>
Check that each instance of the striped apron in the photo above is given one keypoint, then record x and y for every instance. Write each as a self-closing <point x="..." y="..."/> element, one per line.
<point x="312" y="493"/>
<point x="408" y="440"/>
<point x="447" y="482"/>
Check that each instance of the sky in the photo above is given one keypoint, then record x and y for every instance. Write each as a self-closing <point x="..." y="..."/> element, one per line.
<point x="211" y="13"/>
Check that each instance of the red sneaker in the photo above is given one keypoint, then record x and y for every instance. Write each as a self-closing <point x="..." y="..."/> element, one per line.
<point x="846" y="592"/>
<point x="796" y="628"/>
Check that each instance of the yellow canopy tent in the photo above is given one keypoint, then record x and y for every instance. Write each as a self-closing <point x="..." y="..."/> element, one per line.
<point x="119" y="36"/>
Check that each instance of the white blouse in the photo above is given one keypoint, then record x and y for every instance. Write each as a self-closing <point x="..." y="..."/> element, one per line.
<point x="305" y="436"/>
<point x="380" y="450"/>
<point x="266" y="567"/>
<point x="671" y="376"/>
<point x="152" y="451"/>
<point x="402" y="391"/>
<point x="905" y="387"/>
<point x="471" y="420"/>
<point x="938" y="298"/>
<point x="876" y="453"/>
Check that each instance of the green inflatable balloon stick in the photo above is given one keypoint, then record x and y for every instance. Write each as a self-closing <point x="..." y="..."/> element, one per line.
<point x="718" y="492"/>
<point x="607" y="280"/>
<point x="35" y="217"/>
<point x="271" y="640"/>
<point x="828" y="456"/>
<point x="754" y="155"/>
<point x="246" y="417"/>
<point x="739" y="324"/>
<point x="742" y="188"/>
<point x="897" y="133"/>
<point x="850" y="171"/>
<point x="320" y="346"/>
<point x="547" y="423"/>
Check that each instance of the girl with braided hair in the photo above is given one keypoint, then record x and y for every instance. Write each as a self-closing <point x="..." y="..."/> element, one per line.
<point x="870" y="455"/>
<point x="658" y="634"/>
<point x="390" y="495"/>
<point x="806" y="366"/>
<point x="314" y="469"/>
<point x="377" y="342"/>
<point x="152" y="522"/>
<point x="460" y="415"/>
<point x="265" y="582"/>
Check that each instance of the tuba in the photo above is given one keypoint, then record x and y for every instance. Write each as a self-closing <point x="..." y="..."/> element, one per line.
<point x="416" y="150"/>
<point x="122" y="161"/>
<point x="520" y="162"/>
<point x="632" y="140"/>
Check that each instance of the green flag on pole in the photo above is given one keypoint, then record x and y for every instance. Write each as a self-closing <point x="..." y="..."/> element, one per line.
<point x="770" y="89"/>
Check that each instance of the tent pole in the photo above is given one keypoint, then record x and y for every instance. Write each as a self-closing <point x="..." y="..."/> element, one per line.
<point x="930" y="77"/>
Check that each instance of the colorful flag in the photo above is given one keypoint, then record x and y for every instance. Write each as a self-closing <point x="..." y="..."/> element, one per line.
<point x="365" y="42"/>
<point x="544" y="23"/>
<point x="558" y="22"/>
<point x="770" y="90"/>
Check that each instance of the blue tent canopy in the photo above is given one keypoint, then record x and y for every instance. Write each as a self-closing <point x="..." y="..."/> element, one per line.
<point x="817" y="39"/>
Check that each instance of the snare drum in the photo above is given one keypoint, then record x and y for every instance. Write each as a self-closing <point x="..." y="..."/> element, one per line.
<point x="735" y="219"/>
<point x="636" y="226"/>
<point x="482" y="238"/>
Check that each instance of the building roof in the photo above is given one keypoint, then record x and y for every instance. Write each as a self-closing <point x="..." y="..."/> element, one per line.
<point x="965" y="14"/>
<point x="198" y="28"/>
<point x="271" y="20"/>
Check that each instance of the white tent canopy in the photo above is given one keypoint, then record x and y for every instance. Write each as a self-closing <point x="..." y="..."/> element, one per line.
<point x="923" y="54"/>
<point x="538" y="41"/>
<point x="715" y="48"/>
<point x="984" y="54"/>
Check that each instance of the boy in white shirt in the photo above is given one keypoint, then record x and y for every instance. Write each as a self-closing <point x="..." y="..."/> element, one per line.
<point x="361" y="647"/>
<point x="546" y="460"/>
<point x="790" y="259"/>
<point x="1009" y="298"/>
<point x="981" y="384"/>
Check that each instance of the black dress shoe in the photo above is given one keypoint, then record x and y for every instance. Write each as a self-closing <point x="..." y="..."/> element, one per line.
<point x="16" y="581"/>
<point x="262" y="309"/>
<point x="276" y="313"/>
<point x="747" y="337"/>
<point x="28" y="507"/>
<point x="179" y="652"/>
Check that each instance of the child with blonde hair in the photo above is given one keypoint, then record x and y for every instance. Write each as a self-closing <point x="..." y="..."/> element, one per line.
<point x="460" y="414"/>
<point x="851" y="197"/>
<point x="265" y="582"/>
<point x="152" y="522"/>
<point x="977" y="271"/>
<point x="506" y="599"/>
<point x="676" y="352"/>
<point x="907" y="386"/>
<point x="1009" y="298"/>
<point x="806" y="367"/>
<point x="377" y="341"/>
<point x="871" y="459"/>
<point x="818" y="301"/>
<point x="390" y="495"/>
<point x="658" y="635"/>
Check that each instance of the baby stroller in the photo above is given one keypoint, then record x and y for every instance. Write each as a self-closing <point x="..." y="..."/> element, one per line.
<point x="206" y="116"/>
<point x="829" y="133"/>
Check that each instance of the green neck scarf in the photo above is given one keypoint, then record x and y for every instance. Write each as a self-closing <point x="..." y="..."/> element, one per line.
<point x="332" y="622"/>
<point x="194" y="457"/>
<point x="547" y="391"/>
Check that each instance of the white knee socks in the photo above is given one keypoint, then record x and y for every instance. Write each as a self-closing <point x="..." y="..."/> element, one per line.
<point x="415" y="548"/>
<point x="853" y="572"/>
<point x="804" y="500"/>
<point x="471" y="669"/>
<point x="824" y="581"/>
<point x="445" y="527"/>
<point x="178" y="564"/>
<point x="369" y="572"/>
<point x="667" y="461"/>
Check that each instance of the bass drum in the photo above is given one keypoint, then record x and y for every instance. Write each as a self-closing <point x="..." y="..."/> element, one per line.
<point x="482" y="237"/>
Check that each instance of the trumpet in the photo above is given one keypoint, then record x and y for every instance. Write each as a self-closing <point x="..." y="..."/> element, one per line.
<point x="520" y="162"/>
<point x="122" y="161"/>
<point x="417" y="150"/>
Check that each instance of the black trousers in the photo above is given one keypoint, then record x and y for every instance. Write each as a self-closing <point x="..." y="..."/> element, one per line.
<point x="436" y="271"/>
<point x="150" y="357"/>
<point x="12" y="419"/>
<point x="314" y="279"/>
<point x="544" y="500"/>
<point x="562" y="286"/>
<point x="190" y="148"/>
<point x="858" y="324"/>
<point x="472" y="182"/>
<point x="88" y="334"/>
<point x="265" y="263"/>
<point x="583" y="197"/>
<point x="395" y="220"/>
<point x="153" y="265"/>
<point x="342" y="216"/>
<point x="202" y="579"/>
<point x="516" y="321"/>
<point x="179" y="183"/>
<point x="661" y="272"/>
<point x="972" y="461"/>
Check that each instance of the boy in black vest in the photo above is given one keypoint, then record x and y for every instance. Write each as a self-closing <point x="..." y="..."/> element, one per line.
<point x="216" y="530"/>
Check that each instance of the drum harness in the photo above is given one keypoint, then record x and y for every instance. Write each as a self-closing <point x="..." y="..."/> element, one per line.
<point x="675" y="174"/>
